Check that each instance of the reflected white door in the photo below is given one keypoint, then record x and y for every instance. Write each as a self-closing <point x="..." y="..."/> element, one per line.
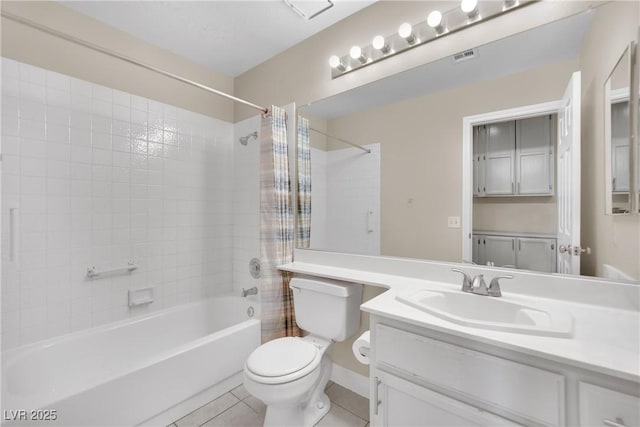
<point x="569" y="179"/>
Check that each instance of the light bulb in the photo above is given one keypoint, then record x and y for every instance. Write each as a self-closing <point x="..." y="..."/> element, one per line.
<point x="406" y="32"/>
<point x="356" y="53"/>
<point x="378" y="43"/>
<point x="434" y="19"/>
<point x="334" y="62"/>
<point x="470" y="7"/>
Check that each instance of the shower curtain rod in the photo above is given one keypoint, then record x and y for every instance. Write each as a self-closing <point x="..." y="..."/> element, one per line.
<point x="114" y="54"/>
<point x="342" y="140"/>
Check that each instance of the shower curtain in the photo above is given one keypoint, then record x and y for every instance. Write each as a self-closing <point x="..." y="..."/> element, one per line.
<point x="276" y="228"/>
<point x="304" y="184"/>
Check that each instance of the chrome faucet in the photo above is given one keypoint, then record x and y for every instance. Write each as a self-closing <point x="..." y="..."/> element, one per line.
<point x="250" y="291"/>
<point x="478" y="286"/>
<point x="466" y="280"/>
<point x="494" y="286"/>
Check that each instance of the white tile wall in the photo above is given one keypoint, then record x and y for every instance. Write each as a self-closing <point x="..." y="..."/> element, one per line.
<point x="352" y="189"/>
<point x="318" y="199"/>
<point x="97" y="177"/>
<point x="246" y="204"/>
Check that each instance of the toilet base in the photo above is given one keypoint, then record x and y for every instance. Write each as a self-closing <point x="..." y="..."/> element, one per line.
<point x="294" y="416"/>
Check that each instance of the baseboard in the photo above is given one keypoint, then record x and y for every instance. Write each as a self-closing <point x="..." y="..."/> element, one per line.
<point x="351" y="380"/>
<point x="194" y="402"/>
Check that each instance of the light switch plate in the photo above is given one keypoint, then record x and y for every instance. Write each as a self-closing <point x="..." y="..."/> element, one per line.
<point x="453" y="222"/>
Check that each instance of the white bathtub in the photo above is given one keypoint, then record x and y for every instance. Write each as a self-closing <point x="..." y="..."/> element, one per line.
<point x="126" y="372"/>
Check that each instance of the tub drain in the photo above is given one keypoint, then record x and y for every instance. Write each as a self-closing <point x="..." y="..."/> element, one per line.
<point x="250" y="312"/>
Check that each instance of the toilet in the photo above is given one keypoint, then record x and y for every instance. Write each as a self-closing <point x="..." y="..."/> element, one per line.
<point x="290" y="374"/>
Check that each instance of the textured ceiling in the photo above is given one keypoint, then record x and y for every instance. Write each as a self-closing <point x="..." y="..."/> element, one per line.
<point x="228" y="36"/>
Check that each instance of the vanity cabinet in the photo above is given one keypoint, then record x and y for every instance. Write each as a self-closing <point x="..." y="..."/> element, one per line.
<point x="420" y="377"/>
<point x="523" y="251"/>
<point x="514" y="158"/>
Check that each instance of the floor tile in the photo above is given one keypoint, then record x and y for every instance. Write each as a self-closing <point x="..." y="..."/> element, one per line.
<point x="239" y="415"/>
<point x="240" y="392"/>
<point x="350" y="401"/>
<point x="329" y="384"/>
<point x="208" y="411"/>
<point x="257" y="405"/>
<point x="339" y="417"/>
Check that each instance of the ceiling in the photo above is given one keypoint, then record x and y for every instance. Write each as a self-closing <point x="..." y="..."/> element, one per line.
<point x="509" y="55"/>
<point x="228" y="36"/>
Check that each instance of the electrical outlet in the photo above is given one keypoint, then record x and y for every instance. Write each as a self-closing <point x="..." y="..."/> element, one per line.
<point x="453" y="222"/>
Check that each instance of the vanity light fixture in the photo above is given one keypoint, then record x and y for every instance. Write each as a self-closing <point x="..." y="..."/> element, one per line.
<point x="508" y="4"/>
<point x="406" y="32"/>
<point x="380" y="44"/>
<point x="336" y="63"/>
<point x="438" y="24"/>
<point x="356" y="53"/>
<point x="434" y="20"/>
<point x="470" y="7"/>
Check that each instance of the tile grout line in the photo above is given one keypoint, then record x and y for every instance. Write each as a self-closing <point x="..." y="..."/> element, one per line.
<point x="351" y="412"/>
<point x="238" y="402"/>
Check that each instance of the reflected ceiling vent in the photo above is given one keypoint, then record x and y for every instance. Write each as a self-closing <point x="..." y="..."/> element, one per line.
<point x="309" y="9"/>
<point x="465" y="55"/>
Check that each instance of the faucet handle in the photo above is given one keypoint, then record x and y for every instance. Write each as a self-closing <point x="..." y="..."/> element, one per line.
<point x="494" y="286"/>
<point x="466" y="280"/>
<point x="479" y="285"/>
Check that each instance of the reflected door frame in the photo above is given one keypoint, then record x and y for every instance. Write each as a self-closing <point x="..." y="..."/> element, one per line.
<point x="468" y="123"/>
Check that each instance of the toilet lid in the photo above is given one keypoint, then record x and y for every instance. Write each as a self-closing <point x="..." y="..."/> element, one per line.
<point x="281" y="357"/>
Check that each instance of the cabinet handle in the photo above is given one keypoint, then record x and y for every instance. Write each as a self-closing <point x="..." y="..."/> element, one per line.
<point x="513" y="244"/>
<point x="375" y="396"/>
<point x="619" y="422"/>
<point x="512" y="192"/>
<point x="519" y="245"/>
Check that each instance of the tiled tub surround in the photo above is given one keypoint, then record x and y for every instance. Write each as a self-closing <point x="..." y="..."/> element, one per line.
<point x="97" y="177"/>
<point x="125" y="373"/>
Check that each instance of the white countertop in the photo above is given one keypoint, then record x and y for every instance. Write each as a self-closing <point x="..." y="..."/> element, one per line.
<point x="605" y="339"/>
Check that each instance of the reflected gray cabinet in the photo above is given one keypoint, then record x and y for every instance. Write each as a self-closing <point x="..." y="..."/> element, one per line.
<point x="515" y="251"/>
<point x="514" y="158"/>
<point x="620" y="147"/>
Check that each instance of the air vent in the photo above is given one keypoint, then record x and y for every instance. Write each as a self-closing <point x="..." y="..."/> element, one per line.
<point x="465" y="55"/>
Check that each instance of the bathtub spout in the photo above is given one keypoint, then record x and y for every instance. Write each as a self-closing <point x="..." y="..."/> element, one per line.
<point x="250" y="291"/>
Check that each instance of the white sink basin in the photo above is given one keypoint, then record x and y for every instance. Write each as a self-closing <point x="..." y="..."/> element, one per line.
<point x="490" y="313"/>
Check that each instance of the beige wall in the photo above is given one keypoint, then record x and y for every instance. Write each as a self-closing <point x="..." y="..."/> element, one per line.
<point x="615" y="239"/>
<point x="421" y="160"/>
<point x="40" y="49"/>
<point x="526" y="214"/>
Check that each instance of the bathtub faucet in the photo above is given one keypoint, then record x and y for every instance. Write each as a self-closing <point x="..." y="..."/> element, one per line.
<point x="250" y="291"/>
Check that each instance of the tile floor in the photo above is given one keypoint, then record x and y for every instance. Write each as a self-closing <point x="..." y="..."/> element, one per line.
<point x="238" y="408"/>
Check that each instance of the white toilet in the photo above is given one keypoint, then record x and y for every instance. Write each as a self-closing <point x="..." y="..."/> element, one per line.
<point x="289" y="374"/>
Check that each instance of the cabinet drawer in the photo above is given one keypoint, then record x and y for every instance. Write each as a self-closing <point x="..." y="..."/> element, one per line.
<point x="603" y="407"/>
<point x="525" y="391"/>
<point x="406" y="404"/>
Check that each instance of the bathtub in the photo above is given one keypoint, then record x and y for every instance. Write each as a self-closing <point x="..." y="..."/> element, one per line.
<point x="126" y="372"/>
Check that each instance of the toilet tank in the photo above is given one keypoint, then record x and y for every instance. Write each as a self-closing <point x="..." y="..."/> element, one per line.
<point x="327" y="308"/>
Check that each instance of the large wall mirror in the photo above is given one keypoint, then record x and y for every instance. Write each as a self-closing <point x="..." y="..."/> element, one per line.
<point x="401" y="193"/>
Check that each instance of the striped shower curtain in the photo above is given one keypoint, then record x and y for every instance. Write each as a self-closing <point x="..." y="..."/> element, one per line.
<point x="276" y="228"/>
<point x="304" y="184"/>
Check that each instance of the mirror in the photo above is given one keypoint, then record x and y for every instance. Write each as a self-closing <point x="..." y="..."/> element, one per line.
<point x="405" y="199"/>
<point x="618" y="161"/>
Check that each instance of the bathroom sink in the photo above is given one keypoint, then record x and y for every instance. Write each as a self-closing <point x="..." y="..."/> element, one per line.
<point x="486" y="312"/>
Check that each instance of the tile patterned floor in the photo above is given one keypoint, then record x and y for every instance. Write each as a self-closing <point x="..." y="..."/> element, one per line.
<point x="239" y="408"/>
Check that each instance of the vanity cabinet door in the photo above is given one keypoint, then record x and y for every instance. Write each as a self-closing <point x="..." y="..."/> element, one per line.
<point x="603" y="407"/>
<point x="536" y="254"/>
<point x="499" y="165"/>
<point x="406" y="404"/>
<point x="499" y="250"/>
<point x="479" y="157"/>
<point x="478" y="249"/>
<point x="534" y="156"/>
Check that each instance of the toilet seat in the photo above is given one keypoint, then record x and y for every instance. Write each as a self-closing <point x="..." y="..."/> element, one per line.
<point x="282" y="360"/>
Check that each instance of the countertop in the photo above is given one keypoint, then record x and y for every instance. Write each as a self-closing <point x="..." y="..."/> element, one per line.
<point x="605" y="339"/>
